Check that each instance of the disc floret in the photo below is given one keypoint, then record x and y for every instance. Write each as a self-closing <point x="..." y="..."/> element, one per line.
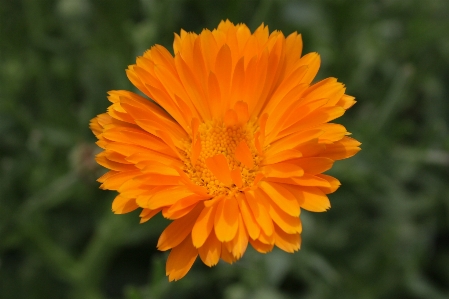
<point x="218" y="139"/>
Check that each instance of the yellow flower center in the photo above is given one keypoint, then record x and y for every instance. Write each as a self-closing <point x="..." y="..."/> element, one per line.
<point x="218" y="139"/>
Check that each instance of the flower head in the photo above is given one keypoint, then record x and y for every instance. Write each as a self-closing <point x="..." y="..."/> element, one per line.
<point x="232" y="148"/>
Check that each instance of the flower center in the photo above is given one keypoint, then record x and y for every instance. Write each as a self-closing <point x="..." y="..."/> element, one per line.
<point x="218" y="139"/>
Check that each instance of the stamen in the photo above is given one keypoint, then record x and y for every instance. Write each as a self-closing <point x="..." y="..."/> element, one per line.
<point x="222" y="142"/>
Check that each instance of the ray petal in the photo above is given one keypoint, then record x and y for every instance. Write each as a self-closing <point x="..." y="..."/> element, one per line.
<point x="180" y="260"/>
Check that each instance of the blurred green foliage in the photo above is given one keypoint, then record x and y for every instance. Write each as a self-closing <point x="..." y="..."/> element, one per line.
<point x="387" y="234"/>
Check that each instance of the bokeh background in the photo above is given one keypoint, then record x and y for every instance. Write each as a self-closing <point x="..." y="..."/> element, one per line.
<point x="387" y="234"/>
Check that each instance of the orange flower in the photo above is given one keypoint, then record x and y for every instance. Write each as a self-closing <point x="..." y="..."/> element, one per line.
<point x="234" y="148"/>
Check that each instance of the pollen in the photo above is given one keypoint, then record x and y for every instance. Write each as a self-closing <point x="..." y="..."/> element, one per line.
<point x="217" y="140"/>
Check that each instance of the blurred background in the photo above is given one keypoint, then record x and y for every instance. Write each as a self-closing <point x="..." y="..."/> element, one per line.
<point x="387" y="234"/>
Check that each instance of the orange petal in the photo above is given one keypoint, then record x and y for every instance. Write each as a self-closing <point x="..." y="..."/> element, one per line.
<point x="328" y="88"/>
<point x="346" y="101"/>
<point x="200" y="190"/>
<point x="153" y="167"/>
<point x="214" y="95"/>
<point x="287" y="242"/>
<point x="136" y="154"/>
<point x="314" y="165"/>
<point x="300" y="110"/>
<point x="105" y="162"/>
<point x="154" y="179"/>
<point x="280" y="116"/>
<point x="342" y="149"/>
<point x="209" y="47"/>
<point x="226" y="219"/>
<point x="178" y="213"/>
<point x="169" y="141"/>
<point x="262" y="124"/>
<point x="243" y="34"/>
<point x="115" y="179"/>
<point x="135" y="80"/>
<point x="260" y="212"/>
<point x="117" y="112"/>
<point x="258" y="144"/>
<point x="317" y="117"/>
<point x="192" y="86"/>
<point x="258" y="178"/>
<point x="226" y="254"/>
<point x="312" y="180"/>
<point x="180" y="260"/>
<point x="314" y="199"/>
<point x="220" y="168"/>
<point x="109" y="174"/>
<point x="131" y="189"/>
<point x="236" y="176"/>
<point x="169" y="78"/>
<point x="203" y="226"/>
<point x="286" y="94"/>
<point x="150" y="120"/>
<point x="311" y="148"/>
<point x="195" y="124"/>
<point x="137" y="137"/>
<point x="269" y="240"/>
<point x="182" y="204"/>
<point x="282" y="197"/>
<point x="154" y="124"/>
<point x="251" y="225"/>
<point x="167" y="197"/>
<point x="250" y="87"/>
<point x="241" y="108"/>
<point x="240" y="241"/>
<point x="213" y="201"/>
<point x="231" y="118"/>
<point x="289" y="224"/>
<point x="178" y="231"/>
<point x="102" y="143"/>
<point x="273" y="70"/>
<point x="293" y="48"/>
<point x="103" y="120"/>
<point x="201" y="70"/>
<point x="292" y="141"/>
<point x="122" y="205"/>
<point x="115" y="157"/>
<point x="312" y="60"/>
<point x="282" y="180"/>
<point x="332" y="132"/>
<point x="243" y="154"/>
<point x="147" y="214"/>
<point x="282" y="156"/>
<point x="186" y="110"/>
<point x="95" y="126"/>
<point x="223" y="71"/>
<point x="238" y="81"/>
<point x="210" y="251"/>
<point x="333" y="182"/>
<point x="261" y="247"/>
<point x="283" y="170"/>
<point x="196" y="151"/>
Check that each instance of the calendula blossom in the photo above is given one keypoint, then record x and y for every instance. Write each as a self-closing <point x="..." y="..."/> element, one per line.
<point x="234" y="148"/>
